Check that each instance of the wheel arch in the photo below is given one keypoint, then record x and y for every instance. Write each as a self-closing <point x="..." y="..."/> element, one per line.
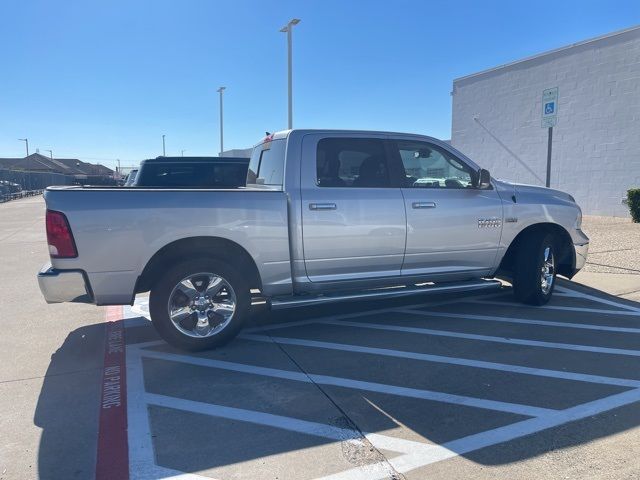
<point x="566" y="254"/>
<point x="192" y="247"/>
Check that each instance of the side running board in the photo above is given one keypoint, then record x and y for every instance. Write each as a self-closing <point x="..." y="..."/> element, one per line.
<point x="279" y="303"/>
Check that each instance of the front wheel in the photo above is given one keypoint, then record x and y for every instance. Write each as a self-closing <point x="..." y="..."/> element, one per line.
<point x="199" y="304"/>
<point x="535" y="270"/>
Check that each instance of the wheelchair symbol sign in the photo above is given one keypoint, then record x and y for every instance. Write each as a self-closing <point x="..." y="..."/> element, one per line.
<point x="549" y="108"/>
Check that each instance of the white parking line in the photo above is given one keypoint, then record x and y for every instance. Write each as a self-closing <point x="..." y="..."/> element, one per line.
<point x="142" y="465"/>
<point x="541" y="372"/>
<point x="634" y="313"/>
<point x="508" y="407"/>
<point x="568" y="293"/>
<point x="523" y="321"/>
<point x="578" y="294"/>
<point x="252" y="416"/>
<point x="486" y="338"/>
<point x="376" y="470"/>
<point x="533" y="425"/>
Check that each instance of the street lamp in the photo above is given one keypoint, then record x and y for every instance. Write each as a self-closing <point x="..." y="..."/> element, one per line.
<point x="164" y="153"/>
<point x="287" y="29"/>
<point x="26" y="141"/>
<point x="182" y="153"/>
<point x="50" y="153"/>
<point x="220" y="91"/>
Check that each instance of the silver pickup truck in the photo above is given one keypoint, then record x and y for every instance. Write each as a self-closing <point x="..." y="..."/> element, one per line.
<point x="325" y="216"/>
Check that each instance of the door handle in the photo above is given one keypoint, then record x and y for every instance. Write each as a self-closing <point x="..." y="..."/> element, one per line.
<point x="424" y="205"/>
<point x="322" y="206"/>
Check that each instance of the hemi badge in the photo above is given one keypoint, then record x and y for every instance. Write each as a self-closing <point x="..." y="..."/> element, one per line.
<point x="489" y="222"/>
<point x="510" y="220"/>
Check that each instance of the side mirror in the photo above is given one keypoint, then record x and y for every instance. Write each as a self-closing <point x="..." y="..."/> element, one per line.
<point x="484" y="179"/>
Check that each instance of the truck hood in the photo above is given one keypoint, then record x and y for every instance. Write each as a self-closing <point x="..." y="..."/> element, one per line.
<point x="522" y="188"/>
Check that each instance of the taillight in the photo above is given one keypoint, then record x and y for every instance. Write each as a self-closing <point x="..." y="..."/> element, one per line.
<point x="59" y="236"/>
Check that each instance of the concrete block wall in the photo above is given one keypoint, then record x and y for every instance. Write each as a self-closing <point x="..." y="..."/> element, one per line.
<point x="596" y="142"/>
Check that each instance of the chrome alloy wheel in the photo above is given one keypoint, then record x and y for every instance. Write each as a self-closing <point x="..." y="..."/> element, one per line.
<point x="548" y="271"/>
<point x="201" y="305"/>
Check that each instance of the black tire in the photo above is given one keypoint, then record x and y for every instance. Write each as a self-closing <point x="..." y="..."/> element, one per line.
<point x="529" y="261"/>
<point x="161" y="292"/>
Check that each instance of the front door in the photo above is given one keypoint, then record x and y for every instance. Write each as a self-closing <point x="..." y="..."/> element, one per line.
<point x="452" y="227"/>
<point x="353" y="220"/>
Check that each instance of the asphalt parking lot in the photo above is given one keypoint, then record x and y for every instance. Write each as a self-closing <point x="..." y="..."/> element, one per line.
<point x="433" y="387"/>
<point x="454" y="387"/>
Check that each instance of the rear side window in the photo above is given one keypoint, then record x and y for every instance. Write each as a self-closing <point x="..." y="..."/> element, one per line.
<point x="267" y="164"/>
<point x="352" y="162"/>
<point x="192" y="175"/>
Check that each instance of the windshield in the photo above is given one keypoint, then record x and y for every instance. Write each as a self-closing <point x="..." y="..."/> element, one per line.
<point x="131" y="178"/>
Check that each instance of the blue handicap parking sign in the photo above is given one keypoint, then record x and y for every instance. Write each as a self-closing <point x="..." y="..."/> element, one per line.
<point x="549" y="108"/>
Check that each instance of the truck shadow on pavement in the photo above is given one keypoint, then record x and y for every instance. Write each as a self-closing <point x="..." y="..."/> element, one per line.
<point x="387" y="388"/>
<point x="67" y="408"/>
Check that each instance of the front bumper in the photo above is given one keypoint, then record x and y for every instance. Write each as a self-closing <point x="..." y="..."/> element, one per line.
<point x="59" y="286"/>
<point x="581" y="255"/>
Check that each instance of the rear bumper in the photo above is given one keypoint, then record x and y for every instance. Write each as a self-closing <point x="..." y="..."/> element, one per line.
<point x="59" y="286"/>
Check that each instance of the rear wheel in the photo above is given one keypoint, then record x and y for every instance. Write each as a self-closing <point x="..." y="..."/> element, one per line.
<point x="534" y="277"/>
<point x="199" y="304"/>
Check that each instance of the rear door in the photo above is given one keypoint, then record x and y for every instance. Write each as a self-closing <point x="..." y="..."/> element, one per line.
<point x="353" y="220"/>
<point x="452" y="227"/>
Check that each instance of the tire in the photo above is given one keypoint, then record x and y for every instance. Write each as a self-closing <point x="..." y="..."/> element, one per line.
<point x="199" y="323"/>
<point x="528" y="284"/>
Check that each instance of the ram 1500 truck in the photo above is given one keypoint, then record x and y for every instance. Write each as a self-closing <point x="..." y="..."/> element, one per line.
<point x="325" y="216"/>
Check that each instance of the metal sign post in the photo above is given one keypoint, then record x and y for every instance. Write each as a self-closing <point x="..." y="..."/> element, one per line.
<point x="549" y="120"/>
<point x="549" y="141"/>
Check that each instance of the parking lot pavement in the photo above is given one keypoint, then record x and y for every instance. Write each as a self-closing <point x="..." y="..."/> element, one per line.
<point x="50" y="361"/>
<point x="448" y="387"/>
<point x="453" y="387"/>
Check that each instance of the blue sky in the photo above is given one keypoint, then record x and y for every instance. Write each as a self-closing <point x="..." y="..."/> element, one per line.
<point x="104" y="80"/>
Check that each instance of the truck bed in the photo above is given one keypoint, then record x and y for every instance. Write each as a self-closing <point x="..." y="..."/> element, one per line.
<point x="117" y="230"/>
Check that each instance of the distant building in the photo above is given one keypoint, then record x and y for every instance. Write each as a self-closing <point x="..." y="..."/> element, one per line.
<point x="72" y="170"/>
<point x="7" y="162"/>
<point x="39" y="163"/>
<point x="238" y="153"/>
<point x="497" y="120"/>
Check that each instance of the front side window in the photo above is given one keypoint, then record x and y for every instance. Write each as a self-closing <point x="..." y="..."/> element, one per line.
<point x="429" y="166"/>
<point x="266" y="166"/>
<point x="352" y="162"/>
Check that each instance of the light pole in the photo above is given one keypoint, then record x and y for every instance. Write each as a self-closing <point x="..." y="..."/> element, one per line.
<point x="164" y="153"/>
<point x="220" y="91"/>
<point x="50" y="153"/>
<point x="287" y="29"/>
<point x="182" y="153"/>
<point x="26" y="141"/>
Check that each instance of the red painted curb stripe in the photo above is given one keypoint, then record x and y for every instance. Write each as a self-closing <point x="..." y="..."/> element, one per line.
<point x="113" y="448"/>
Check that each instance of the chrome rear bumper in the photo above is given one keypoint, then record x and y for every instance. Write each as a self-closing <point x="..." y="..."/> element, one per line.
<point x="59" y="286"/>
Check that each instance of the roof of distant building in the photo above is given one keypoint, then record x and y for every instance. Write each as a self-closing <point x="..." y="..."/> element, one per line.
<point x="627" y="32"/>
<point x="68" y="166"/>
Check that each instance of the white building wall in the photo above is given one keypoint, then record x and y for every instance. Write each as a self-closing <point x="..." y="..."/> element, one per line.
<point x="238" y="152"/>
<point x="596" y="142"/>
